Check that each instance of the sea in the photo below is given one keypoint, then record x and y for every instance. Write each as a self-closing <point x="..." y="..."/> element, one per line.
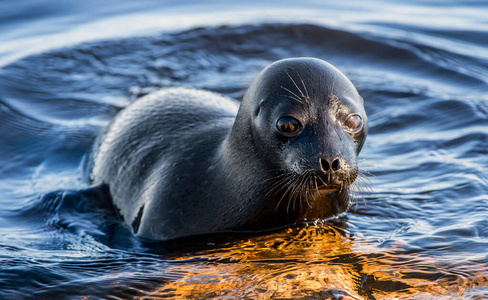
<point x="419" y="232"/>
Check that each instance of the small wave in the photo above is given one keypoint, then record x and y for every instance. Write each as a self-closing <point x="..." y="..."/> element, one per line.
<point x="426" y="104"/>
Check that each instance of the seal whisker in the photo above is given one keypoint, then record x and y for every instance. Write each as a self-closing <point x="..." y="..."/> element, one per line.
<point x="288" y="190"/>
<point x="316" y="184"/>
<point x="360" y="187"/>
<point x="358" y="193"/>
<point x="296" y="191"/>
<point x="362" y="193"/>
<point x="290" y="199"/>
<point x="276" y="187"/>
<point x="365" y="182"/>
<point x="295" y="96"/>
<point x="309" y="188"/>
<point x="305" y="189"/>
<point x="361" y="160"/>
<point x="277" y="173"/>
<point x="294" y="83"/>
<point x="344" y="197"/>
<point x="353" y="194"/>
<point x="298" y="194"/>
<point x="360" y="163"/>
<point x="321" y="179"/>
<point x="305" y="88"/>
<point x="366" y="172"/>
<point x="356" y="190"/>
<point x="271" y="178"/>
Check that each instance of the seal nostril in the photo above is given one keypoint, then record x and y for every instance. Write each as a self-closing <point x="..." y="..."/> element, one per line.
<point x="325" y="165"/>
<point x="336" y="165"/>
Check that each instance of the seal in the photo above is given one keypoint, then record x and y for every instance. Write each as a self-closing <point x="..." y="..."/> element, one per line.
<point x="181" y="162"/>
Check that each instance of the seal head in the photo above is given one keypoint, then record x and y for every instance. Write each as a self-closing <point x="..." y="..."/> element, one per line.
<point x="307" y="124"/>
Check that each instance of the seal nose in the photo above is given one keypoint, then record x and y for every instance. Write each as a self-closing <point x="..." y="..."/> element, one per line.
<point x="326" y="165"/>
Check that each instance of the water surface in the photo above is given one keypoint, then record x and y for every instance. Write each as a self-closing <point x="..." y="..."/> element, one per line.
<point x="422" y="67"/>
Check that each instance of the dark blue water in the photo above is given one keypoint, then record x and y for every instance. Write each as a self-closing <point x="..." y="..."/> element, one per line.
<point x="66" y="68"/>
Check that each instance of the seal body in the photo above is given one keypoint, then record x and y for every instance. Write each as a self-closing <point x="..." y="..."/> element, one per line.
<point x="182" y="162"/>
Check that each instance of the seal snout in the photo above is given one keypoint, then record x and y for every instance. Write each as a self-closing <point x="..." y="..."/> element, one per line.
<point x="332" y="173"/>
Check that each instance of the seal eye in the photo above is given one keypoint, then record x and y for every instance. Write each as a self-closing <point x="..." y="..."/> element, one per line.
<point x="289" y="126"/>
<point x="353" y="124"/>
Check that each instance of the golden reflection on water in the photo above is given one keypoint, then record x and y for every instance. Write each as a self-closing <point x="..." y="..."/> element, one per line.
<point x="315" y="262"/>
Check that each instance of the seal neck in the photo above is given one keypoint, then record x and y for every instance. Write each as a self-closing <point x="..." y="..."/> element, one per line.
<point x="241" y="137"/>
<point x="239" y="146"/>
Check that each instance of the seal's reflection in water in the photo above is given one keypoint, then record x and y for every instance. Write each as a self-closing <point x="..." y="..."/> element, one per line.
<point x="320" y="261"/>
<point x="315" y="260"/>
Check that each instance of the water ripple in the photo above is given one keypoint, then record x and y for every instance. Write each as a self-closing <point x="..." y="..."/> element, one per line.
<point x="421" y="234"/>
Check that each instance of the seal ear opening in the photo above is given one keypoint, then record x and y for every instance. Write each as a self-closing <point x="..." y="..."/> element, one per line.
<point x="258" y="108"/>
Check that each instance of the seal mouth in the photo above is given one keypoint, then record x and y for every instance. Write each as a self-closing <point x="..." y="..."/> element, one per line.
<point x="324" y="188"/>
